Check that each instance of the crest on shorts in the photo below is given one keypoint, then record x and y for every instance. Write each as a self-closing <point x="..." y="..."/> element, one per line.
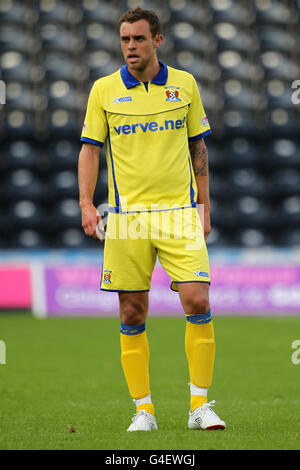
<point x="172" y="94"/>
<point x="107" y="276"/>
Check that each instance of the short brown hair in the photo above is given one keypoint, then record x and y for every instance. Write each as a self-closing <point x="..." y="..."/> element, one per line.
<point x="131" y="16"/>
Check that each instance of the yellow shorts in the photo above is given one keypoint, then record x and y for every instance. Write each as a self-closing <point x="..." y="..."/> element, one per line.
<point x="133" y="242"/>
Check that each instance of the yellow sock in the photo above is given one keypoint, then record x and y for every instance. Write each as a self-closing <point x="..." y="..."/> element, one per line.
<point x="200" y="351"/>
<point x="196" y="401"/>
<point x="147" y="407"/>
<point x="135" y="359"/>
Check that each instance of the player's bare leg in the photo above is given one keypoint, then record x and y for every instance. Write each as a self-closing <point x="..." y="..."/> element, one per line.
<point x="135" y="357"/>
<point x="200" y="350"/>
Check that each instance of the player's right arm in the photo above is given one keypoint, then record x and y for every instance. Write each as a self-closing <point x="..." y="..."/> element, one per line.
<point x="93" y="136"/>
<point x="88" y="167"/>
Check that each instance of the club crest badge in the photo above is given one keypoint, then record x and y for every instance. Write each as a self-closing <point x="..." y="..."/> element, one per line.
<point x="107" y="276"/>
<point x="172" y="94"/>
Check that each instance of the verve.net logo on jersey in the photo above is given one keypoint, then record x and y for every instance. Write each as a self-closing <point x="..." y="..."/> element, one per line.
<point x="152" y="126"/>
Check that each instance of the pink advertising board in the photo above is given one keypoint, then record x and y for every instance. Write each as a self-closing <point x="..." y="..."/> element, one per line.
<point x="15" y="287"/>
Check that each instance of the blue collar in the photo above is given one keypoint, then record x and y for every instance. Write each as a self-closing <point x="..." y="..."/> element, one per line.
<point x="130" y="81"/>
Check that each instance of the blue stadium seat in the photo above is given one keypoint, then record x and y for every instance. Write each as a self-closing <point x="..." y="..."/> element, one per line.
<point x="55" y="37"/>
<point x="239" y="95"/>
<point x="242" y="152"/>
<point x="97" y="36"/>
<point x="64" y="153"/>
<point x="282" y="122"/>
<point x="277" y="39"/>
<point x="217" y="238"/>
<point x="15" y="38"/>
<point x="211" y="98"/>
<point x="202" y="69"/>
<point x="194" y="13"/>
<point x="283" y="153"/>
<point x="24" y="184"/>
<point x="19" y="124"/>
<point x="276" y="12"/>
<point x="64" y="184"/>
<point x="229" y="37"/>
<point x="61" y="66"/>
<point x="216" y="155"/>
<point x="234" y="65"/>
<point x="62" y="123"/>
<point x="62" y="94"/>
<point x="252" y="212"/>
<point x="289" y="237"/>
<point x="286" y="182"/>
<point x="101" y="11"/>
<point x="59" y="12"/>
<point x="232" y="12"/>
<point x="253" y="238"/>
<point x="248" y="182"/>
<point x="29" y="239"/>
<point x="280" y="66"/>
<point x="241" y="123"/>
<point x="15" y="66"/>
<point x="26" y="214"/>
<point x="187" y="37"/>
<point x="16" y="13"/>
<point x="19" y="96"/>
<point x="221" y="215"/>
<point x="66" y="214"/>
<point x="289" y="211"/>
<point x="100" y="63"/>
<point x="278" y="94"/>
<point x="20" y="154"/>
<point x="218" y="185"/>
<point x="75" y="238"/>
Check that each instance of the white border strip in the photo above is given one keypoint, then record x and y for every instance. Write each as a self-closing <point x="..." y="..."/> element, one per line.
<point x="38" y="291"/>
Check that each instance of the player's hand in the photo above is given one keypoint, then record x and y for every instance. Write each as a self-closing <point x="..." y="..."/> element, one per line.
<point x="92" y="222"/>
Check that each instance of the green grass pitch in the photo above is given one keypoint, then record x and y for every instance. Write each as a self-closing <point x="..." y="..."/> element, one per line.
<point x="64" y="374"/>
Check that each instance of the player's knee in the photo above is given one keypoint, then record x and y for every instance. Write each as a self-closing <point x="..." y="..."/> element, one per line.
<point x="132" y="313"/>
<point x="197" y="304"/>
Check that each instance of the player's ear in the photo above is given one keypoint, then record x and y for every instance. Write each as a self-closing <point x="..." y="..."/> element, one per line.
<point x="158" y="40"/>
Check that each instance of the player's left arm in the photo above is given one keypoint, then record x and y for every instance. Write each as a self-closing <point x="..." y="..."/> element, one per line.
<point x="199" y="157"/>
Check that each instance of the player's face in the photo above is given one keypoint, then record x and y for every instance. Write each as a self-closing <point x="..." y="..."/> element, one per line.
<point x="138" y="45"/>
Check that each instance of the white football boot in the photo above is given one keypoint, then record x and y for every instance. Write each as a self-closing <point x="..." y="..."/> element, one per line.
<point x="143" y="421"/>
<point x="205" y="418"/>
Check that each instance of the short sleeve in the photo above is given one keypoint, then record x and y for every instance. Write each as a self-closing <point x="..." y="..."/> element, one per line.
<point x="197" y="122"/>
<point x="94" y="130"/>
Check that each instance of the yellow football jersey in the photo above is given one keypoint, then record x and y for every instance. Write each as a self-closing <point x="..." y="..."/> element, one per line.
<point x="147" y="128"/>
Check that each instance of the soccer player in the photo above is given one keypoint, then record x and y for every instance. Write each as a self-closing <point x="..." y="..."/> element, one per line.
<point x="152" y="119"/>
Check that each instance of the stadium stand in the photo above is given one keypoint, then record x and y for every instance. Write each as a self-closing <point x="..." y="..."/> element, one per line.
<point x="244" y="54"/>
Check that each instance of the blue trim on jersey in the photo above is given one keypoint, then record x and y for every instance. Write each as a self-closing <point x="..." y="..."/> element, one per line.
<point x="199" y="136"/>
<point x="199" y="318"/>
<point x="92" y="141"/>
<point x="131" y="330"/>
<point x="184" y="282"/>
<point x="123" y="290"/>
<point x="130" y="81"/>
<point x="192" y="192"/>
<point x="117" y="197"/>
<point x="115" y="209"/>
<point x="162" y="76"/>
